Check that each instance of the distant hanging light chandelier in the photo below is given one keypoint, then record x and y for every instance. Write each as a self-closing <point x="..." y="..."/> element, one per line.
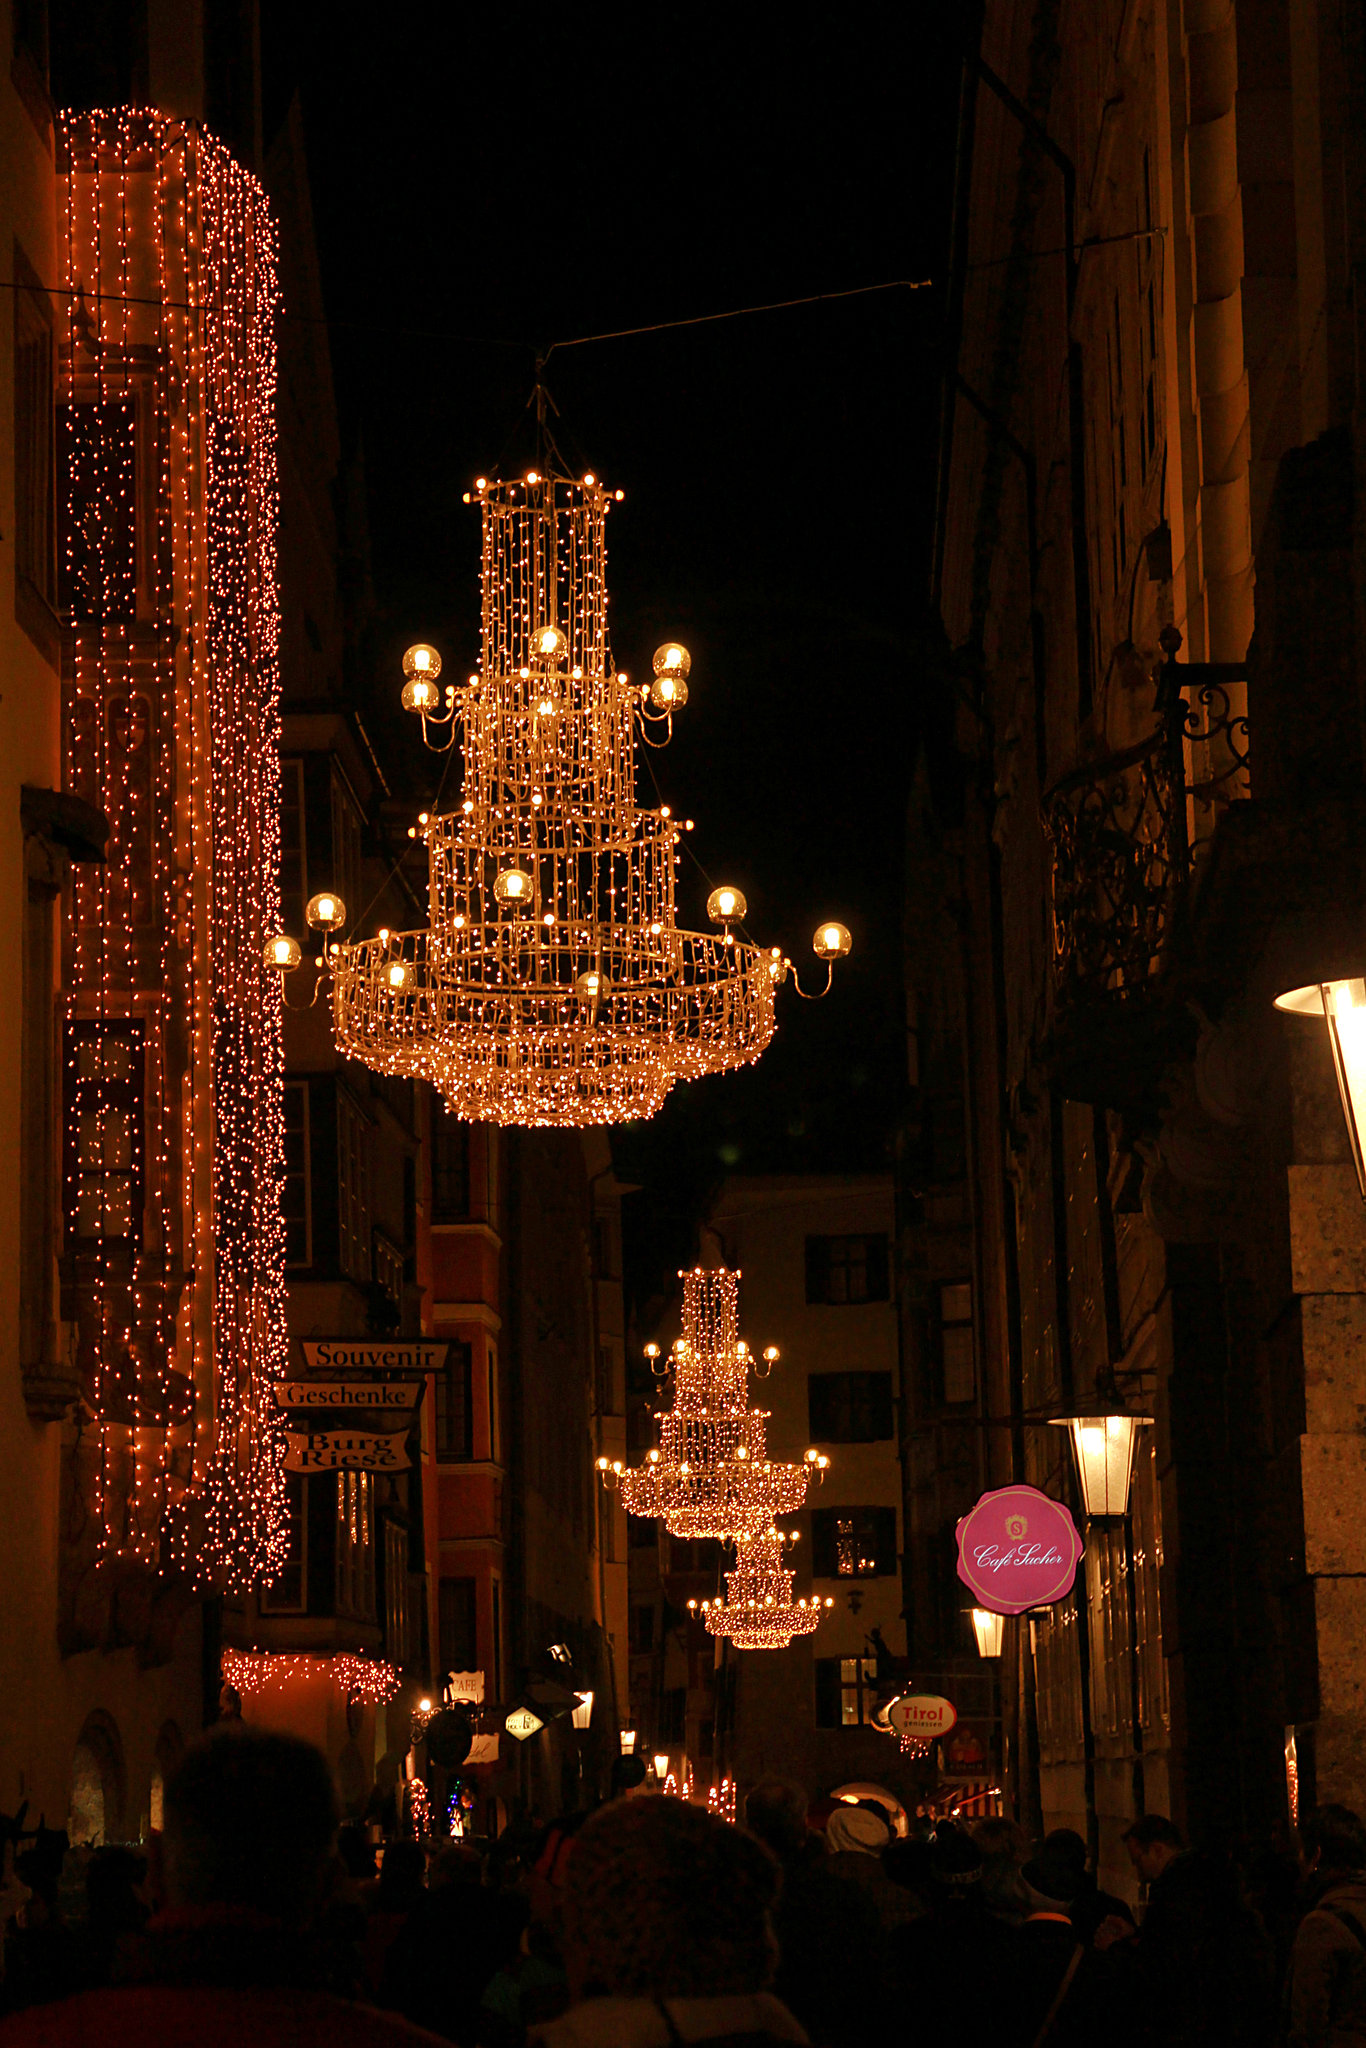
<point x="553" y="985"/>
<point x="711" y="1475"/>
<point x="759" y="1612"/>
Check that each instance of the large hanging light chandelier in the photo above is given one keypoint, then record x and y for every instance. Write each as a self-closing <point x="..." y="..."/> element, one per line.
<point x="759" y="1612"/>
<point x="711" y="1475"/>
<point x="553" y="985"/>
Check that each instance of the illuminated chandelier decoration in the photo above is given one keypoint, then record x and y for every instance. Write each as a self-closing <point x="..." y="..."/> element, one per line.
<point x="759" y="1612"/>
<point x="553" y="985"/>
<point x="711" y="1475"/>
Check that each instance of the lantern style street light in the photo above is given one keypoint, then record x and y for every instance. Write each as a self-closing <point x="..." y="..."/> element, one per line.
<point x="989" y="1630"/>
<point x="1103" y="1443"/>
<point x="661" y="1765"/>
<point x="582" y="1715"/>
<point x="1342" y="1005"/>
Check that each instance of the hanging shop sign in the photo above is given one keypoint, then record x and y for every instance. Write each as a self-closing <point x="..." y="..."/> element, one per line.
<point x="353" y="1354"/>
<point x="466" y="1687"/>
<point x="396" y="1395"/>
<point x="345" y="1450"/>
<point x="521" y="1722"/>
<point x="923" y="1716"/>
<point x="483" y="1750"/>
<point x="1018" y="1549"/>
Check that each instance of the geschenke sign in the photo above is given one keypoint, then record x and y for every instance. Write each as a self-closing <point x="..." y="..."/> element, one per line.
<point x="1018" y="1549"/>
<point x="354" y="1354"/>
<point x="345" y="1450"/>
<point x="398" y="1395"/>
<point x="924" y="1716"/>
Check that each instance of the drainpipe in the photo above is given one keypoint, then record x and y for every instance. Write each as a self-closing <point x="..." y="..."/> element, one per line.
<point x="1076" y="381"/>
<point x="1224" y="517"/>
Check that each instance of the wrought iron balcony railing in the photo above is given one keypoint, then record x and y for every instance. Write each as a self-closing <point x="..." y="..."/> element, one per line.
<point x="1122" y="831"/>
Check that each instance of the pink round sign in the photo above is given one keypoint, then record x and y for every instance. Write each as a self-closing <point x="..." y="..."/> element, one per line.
<point x="1018" y="1549"/>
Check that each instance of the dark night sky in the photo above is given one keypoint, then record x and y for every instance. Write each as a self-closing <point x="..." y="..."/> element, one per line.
<point x="489" y="181"/>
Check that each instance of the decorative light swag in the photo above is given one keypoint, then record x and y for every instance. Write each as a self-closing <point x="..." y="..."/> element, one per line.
<point x="711" y="1475"/>
<point x="759" y="1612"/>
<point x="553" y="985"/>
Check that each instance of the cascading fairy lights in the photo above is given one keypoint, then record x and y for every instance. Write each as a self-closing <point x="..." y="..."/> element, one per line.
<point x="174" y="1135"/>
<point x="366" y="1680"/>
<point x="759" y="1611"/>
<point x="553" y="985"/>
<point x="711" y="1475"/>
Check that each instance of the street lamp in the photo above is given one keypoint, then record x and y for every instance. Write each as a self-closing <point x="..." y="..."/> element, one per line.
<point x="628" y="1741"/>
<point x="989" y="1630"/>
<point x="582" y="1715"/>
<point x="662" y="1765"/>
<point x="1342" y="1004"/>
<point x="1103" y="1443"/>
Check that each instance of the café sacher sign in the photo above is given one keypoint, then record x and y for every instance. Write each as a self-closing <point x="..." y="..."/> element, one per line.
<point x="1018" y="1549"/>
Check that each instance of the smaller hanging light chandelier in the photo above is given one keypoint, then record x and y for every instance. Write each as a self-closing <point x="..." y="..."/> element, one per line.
<point x="989" y="1630"/>
<point x="1103" y="1444"/>
<point x="1342" y="1005"/>
<point x="711" y="1475"/>
<point x="759" y="1611"/>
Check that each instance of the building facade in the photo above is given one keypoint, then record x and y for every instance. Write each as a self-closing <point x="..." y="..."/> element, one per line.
<point x="145" y="1241"/>
<point x="1138" y="819"/>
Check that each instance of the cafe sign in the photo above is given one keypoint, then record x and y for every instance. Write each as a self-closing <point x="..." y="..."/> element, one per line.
<point x="1018" y="1549"/>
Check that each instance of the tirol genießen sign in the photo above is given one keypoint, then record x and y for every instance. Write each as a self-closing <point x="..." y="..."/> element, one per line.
<point x="1018" y="1549"/>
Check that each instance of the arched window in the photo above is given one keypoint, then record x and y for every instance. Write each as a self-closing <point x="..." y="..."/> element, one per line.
<point x="95" y="1815"/>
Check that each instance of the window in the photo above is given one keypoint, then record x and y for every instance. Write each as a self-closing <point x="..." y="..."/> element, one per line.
<point x="455" y="1404"/>
<point x="356" y="1544"/>
<point x="104" y="1140"/>
<point x="353" y="1192"/>
<point x="853" y="1543"/>
<point x="457" y="1610"/>
<point x="850" y="1407"/>
<point x="955" y="1341"/>
<point x="288" y="1591"/>
<point x="294" y="847"/>
<point x="450" y="1167"/>
<point x="297" y="1197"/>
<point x="846" y="1691"/>
<point x="396" y="1619"/>
<point x="642" y="1629"/>
<point x="35" y="545"/>
<point x="843" y="1270"/>
<point x="389" y="1268"/>
<point x="98" y="528"/>
<point x="693" y="1554"/>
<point x="346" y="822"/>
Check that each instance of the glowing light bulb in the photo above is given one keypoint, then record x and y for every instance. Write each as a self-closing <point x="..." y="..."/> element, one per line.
<point x="671" y="660"/>
<point x="422" y="661"/>
<point x="282" y="952"/>
<point x="832" y="941"/>
<point x="419" y="695"/>
<point x="397" y="974"/>
<point x="726" y="903"/>
<point x="326" y="912"/>
<point x="548" y="643"/>
<point x="668" y="693"/>
<point x="533" y="476"/>
<point x="591" y="984"/>
<point x="424" y="1706"/>
<point x="512" y="886"/>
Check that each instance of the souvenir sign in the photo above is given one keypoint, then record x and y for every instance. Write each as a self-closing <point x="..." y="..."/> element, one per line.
<point x="521" y="1722"/>
<point x="923" y="1716"/>
<point x="354" y="1354"/>
<point x="1018" y="1549"/>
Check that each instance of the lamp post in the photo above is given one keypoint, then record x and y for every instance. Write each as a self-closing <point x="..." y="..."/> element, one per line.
<point x="1103" y="1442"/>
<point x="989" y="1630"/>
<point x="1342" y="1005"/>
